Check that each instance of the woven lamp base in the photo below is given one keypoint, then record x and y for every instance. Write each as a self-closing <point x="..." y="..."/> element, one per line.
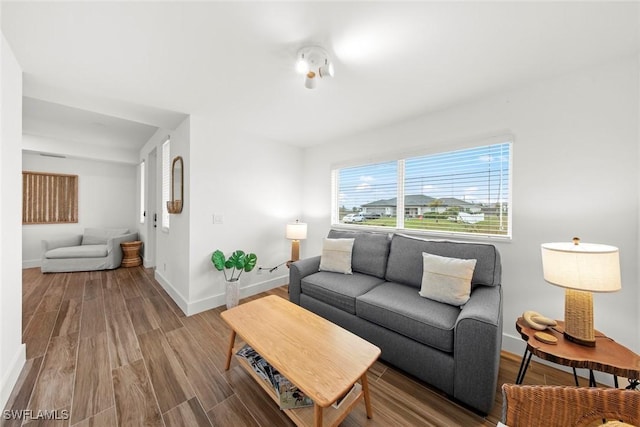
<point x="295" y="250"/>
<point x="578" y="317"/>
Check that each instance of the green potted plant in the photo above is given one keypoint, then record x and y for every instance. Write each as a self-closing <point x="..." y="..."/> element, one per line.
<point x="237" y="263"/>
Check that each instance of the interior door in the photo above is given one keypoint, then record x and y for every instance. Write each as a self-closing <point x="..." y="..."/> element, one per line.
<point x="152" y="214"/>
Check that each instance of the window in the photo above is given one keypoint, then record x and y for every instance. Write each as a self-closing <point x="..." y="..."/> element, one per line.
<point x="142" y="192"/>
<point x="374" y="185"/>
<point x="49" y="198"/>
<point x="166" y="182"/>
<point x="465" y="191"/>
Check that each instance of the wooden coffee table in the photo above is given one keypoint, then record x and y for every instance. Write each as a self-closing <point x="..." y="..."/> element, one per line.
<point x="320" y="358"/>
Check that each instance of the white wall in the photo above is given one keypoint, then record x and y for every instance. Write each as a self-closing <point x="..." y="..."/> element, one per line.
<point x="255" y="185"/>
<point x="575" y="173"/>
<point x="12" y="351"/>
<point x="106" y="198"/>
<point x="44" y="144"/>
<point x="172" y="246"/>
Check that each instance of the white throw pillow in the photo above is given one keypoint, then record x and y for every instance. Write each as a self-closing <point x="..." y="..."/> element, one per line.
<point x="336" y="255"/>
<point x="447" y="280"/>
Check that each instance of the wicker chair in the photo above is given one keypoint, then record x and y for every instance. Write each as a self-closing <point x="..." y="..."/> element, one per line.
<point x="551" y="406"/>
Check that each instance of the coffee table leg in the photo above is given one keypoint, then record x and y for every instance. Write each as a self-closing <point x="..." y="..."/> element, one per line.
<point x="317" y="415"/>
<point x="365" y="390"/>
<point x="230" y="353"/>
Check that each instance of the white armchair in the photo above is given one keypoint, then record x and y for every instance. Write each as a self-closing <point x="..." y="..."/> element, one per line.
<point x="96" y="249"/>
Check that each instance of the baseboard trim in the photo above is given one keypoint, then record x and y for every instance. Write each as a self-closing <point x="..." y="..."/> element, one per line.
<point x="13" y="373"/>
<point x="513" y="344"/>
<point x="177" y="297"/>
<point x="31" y="263"/>
<point x="195" y="307"/>
<point x="247" y="291"/>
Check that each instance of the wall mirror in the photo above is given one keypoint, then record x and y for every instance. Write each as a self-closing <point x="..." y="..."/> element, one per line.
<point x="174" y="206"/>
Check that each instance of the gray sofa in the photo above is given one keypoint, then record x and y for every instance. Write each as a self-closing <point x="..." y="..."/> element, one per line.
<point x="455" y="349"/>
<point x="95" y="249"/>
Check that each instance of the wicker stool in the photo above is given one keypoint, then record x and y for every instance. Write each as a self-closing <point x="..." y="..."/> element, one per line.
<point x="131" y="254"/>
<point x="562" y="406"/>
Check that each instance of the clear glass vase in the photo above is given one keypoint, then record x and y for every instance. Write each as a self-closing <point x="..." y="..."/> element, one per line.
<point x="232" y="293"/>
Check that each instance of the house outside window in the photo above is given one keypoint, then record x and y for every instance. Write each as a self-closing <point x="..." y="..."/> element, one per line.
<point x="464" y="191"/>
<point x="356" y="186"/>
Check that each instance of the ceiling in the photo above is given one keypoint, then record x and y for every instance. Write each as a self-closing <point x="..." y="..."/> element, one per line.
<point x="112" y="72"/>
<point x="43" y="118"/>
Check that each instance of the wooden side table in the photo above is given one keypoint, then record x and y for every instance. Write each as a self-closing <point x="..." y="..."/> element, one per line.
<point x="607" y="356"/>
<point x="131" y="254"/>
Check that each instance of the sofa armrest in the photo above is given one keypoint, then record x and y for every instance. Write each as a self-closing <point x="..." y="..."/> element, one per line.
<point x="61" y="242"/>
<point x="299" y="270"/>
<point x="478" y="341"/>
<point x="114" y="251"/>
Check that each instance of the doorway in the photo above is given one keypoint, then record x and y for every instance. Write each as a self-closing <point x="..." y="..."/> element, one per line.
<point x="152" y="214"/>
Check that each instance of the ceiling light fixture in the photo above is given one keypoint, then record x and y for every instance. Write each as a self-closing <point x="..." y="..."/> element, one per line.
<point x="310" y="80"/>
<point x="313" y="62"/>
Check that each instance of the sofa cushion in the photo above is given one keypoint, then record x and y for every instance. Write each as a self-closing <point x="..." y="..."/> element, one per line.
<point x="338" y="290"/>
<point x="84" y="251"/>
<point x="399" y="308"/>
<point x="445" y="279"/>
<point x="99" y="236"/>
<point x="336" y="255"/>
<point x="405" y="259"/>
<point x="370" y="251"/>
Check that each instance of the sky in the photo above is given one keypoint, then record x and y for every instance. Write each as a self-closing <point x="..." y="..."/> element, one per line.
<point x="476" y="175"/>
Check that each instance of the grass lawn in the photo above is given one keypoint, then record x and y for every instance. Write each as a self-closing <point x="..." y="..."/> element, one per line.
<point x="491" y="224"/>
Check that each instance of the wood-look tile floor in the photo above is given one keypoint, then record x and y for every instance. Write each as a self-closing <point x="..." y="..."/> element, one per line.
<point x="111" y="348"/>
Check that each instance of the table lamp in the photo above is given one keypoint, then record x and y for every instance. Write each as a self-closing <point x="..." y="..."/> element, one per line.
<point x="581" y="268"/>
<point x="296" y="231"/>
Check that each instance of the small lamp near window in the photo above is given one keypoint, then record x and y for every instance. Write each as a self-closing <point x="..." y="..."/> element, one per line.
<point x="581" y="268"/>
<point x="295" y="232"/>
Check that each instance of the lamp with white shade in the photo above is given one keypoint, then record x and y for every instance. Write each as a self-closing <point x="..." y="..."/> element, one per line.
<point x="581" y="268"/>
<point x="295" y="232"/>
